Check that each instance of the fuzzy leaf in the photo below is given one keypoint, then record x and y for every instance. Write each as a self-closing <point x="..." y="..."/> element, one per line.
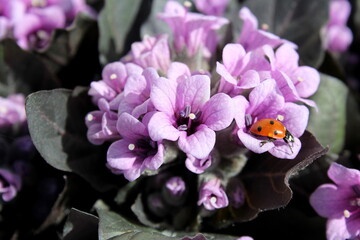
<point x="57" y="127"/>
<point x="299" y="21"/>
<point x="328" y="124"/>
<point x="266" y="182"/>
<point x="81" y="225"/>
<point x="113" y="226"/>
<point x="116" y="21"/>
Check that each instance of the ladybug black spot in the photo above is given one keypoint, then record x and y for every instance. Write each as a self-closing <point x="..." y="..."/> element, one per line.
<point x="259" y="129"/>
<point x="272" y="122"/>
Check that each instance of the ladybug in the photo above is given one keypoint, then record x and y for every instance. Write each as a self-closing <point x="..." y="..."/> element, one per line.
<point x="273" y="129"/>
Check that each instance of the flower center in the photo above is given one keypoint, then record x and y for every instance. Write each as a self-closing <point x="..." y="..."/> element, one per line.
<point x="38" y="3"/>
<point x="187" y="120"/>
<point x="143" y="147"/>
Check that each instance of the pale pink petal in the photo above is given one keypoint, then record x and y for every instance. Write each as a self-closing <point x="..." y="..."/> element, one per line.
<point x="131" y="128"/>
<point x="163" y="95"/>
<point x="253" y="144"/>
<point x="161" y="126"/>
<point x="282" y="149"/>
<point x="119" y="156"/>
<point x="336" y="229"/>
<point x="344" y="176"/>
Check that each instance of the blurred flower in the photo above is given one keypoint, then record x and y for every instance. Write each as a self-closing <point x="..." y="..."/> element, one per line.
<point x="136" y="151"/>
<point x="212" y="7"/>
<point x="174" y="191"/>
<point x="12" y="110"/>
<point x="339" y="202"/>
<point x="336" y="36"/>
<point x="192" y="32"/>
<point x="197" y="165"/>
<point x="212" y="195"/>
<point x="10" y="184"/>
<point x="187" y="114"/>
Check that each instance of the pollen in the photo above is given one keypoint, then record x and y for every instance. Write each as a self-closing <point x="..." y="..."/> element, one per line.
<point x="192" y="116"/>
<point x="89" y="117"/>
<point x="187" y="4"/>
<point x="346" y="213"/>
<point x="131" y="146"/>
<point x="113" y="76"/>
<point x="300" y="79"/>
<point x="213" y="199"/>
<point x="264" y="26"/>
<point x="280" y="117"/>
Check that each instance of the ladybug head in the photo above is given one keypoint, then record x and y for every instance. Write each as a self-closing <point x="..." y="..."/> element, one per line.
<point x="289" y="138"/>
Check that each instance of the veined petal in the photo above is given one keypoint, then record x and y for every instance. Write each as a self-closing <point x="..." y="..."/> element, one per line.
<point x="295" y="118"/>
<point x="119" y="156"/>
<point x="252" y="143"/>
<point x="130" y="127"/>
<point x="163" y="95"/>
<point x="232" y="56"/>
<point x="282" y="149"/>
<point x="217" y="113"/>
<point x="343" y="176"/>
<point x="161" y="127"/>
<point x="198" y="144"/>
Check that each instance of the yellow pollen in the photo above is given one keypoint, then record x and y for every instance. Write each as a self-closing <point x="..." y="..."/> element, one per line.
<point x="131" y="146"/>
<point x="346" y="213"/>
<point x="192" y="116"/>
<point x="3" y="110"/>
<point x="187" y="4"/>
<point x="280" y="117"/>
<point x="213" y="199"/>
<point x="113" y="76"/>
<point x="300" y="79"/>
<point x="90" y="117"/>
<point x="264" y="26"/>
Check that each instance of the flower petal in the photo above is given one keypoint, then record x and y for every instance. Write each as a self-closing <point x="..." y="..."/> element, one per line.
<point x="130" y="127"/>
<point x="252" y="143"/>
<point x="217" y="113"/>
<point x="163" y="95"/>
<point x="198" y="144"/>
<point x="161" y="127"/>
<point x="295" y="118"/>
<point x="282" y="149"/>
<point x="119" y="156"/>
<point x="336" y="229"/>
<point x="344" y="176"/>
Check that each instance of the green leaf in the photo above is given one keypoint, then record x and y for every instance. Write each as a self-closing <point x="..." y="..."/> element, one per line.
<point x="81" y="225"/>
<point x="328" y="124"/>
<point x="299" y="21"/>
<point x="57" y="127"/>
<point x="115" y="23"/>
<point x="114" y="226"/>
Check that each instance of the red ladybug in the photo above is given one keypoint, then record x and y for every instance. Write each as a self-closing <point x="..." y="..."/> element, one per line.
<point x="273" y="129"/>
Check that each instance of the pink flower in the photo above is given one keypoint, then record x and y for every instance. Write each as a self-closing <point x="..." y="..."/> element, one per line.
<point x="212" y="7"/>
<point x="187" y="114"/>
<point x="212" y="195"/>
<point x="12" y="110"/>
<point x="339" y="202"/>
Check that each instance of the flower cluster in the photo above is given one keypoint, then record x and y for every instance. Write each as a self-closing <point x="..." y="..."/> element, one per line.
<point x="336" y="36"/>
<point x="339" y="202"/>
<point x="152" y="102"/>
<point x="31" y="22"/>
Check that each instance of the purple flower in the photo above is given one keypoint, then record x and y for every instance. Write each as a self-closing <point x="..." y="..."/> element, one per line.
<point x="187" y="114"/>
<point x="212" y="195"/>
<point x="136" y="152"/>
<point x="151" y="52"/>
<point x="136" y="98"/>
<point x="196" y="165"/>
<point x="174" y="191"/>
<point x="114" y="77"/>
<point x="192" y="32"/>
<point x="102" y="124"/>
<point x="10" y="184"/>
<point x="339" y="202"/>
<point x="235" y="72"/>
<point x="12" y="110"/>
<point x="251" y="37"/>
<point x="336" y="36"/>
<point x="212" y="7"/>
<point x="266" y="102"/>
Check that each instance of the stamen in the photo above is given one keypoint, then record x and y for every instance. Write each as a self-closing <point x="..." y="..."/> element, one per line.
<point x="300" y="79"/>
<point x="346" y="213"/>
<point x="131" y="146"/>
<point x="192" y="116"/>
<point x="182" y="127"/>
<point x="113" y="76"/>
<point x="89" y="117"/>
<point x="213" y="199"/>
<point x="187" y="4"/>
<point x="264" y="26"/>
<point x="280" y="117"/>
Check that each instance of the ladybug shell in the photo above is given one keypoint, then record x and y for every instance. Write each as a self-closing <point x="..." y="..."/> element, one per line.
<point x="269" y="127"/>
